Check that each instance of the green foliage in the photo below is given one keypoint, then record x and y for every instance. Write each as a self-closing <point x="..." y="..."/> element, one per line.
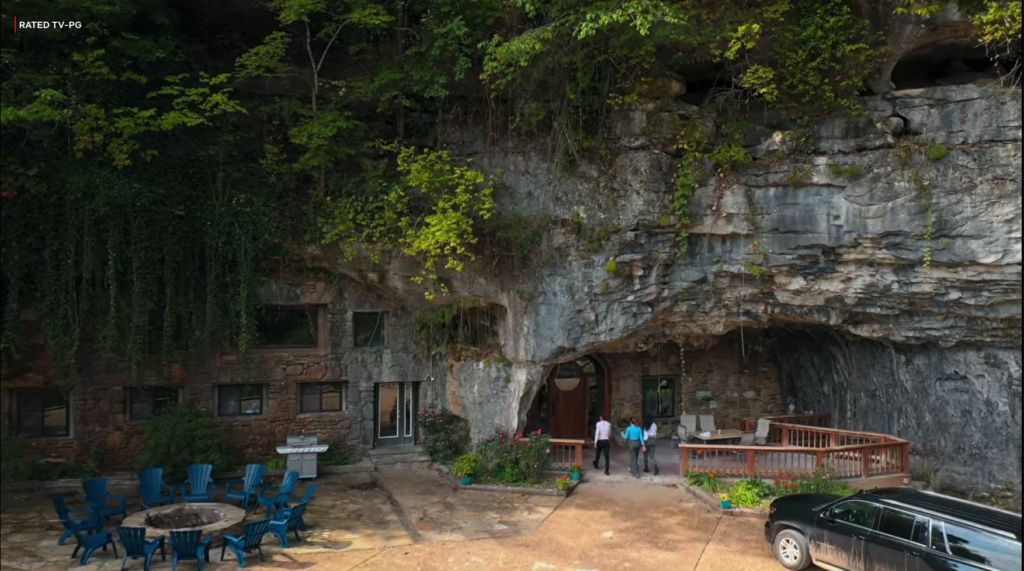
<point x="852" y="171"/>
<point x="709" y="482"/>
<point x="513" y="458"/>
<point x="445" y="436"/>
<point x="336" y="454"/>
<point x="750" y="492"/>
<point x="182" y="436"/>
<point x="935" y="153"/>
<point x="998" y="28"/>
<point x="513" y="242"/>
<point x="466" y="466"/>
<point x="278" y="463"/>
<point x="611" y="267"/>
<point x="822" y="481"/>
<point x="431" y="214"/>
<point x="14" y="466"/>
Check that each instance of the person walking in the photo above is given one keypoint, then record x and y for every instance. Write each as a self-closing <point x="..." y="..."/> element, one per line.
<point x="634" y="435"/>
<point x="602" y="434"/>
<point x="651" y="438"/>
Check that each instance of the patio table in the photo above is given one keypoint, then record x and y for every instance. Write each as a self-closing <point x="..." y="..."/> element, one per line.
<point x="726" y="435"/>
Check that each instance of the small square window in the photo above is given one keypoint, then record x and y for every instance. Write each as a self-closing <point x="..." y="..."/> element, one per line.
<point x="147" y="402"/>
<point x="42" y="414"/>
<point x="321" y="397"/>
<point x="288" y="327"/>
<point x="370" y="328"/>
<point x="240" y="400"/>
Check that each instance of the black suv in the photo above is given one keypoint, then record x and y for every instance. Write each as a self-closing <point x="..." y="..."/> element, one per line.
<point x="892" y="529"/>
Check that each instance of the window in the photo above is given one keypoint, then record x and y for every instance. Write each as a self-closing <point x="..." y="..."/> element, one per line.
<point x="369" y="328"/>
<point x="939" y="538"/>
<point x="147" y="402"/>
<point x="288" y="327"/>
<point x="856" y="513"/>
<point x="42" y="414"/>
<point x="904" y="526"/>
<point x="660" y="397"/>
<point x="321" y="397"/>
<point x="240" y="400"/>
<point x="983" y="548"/>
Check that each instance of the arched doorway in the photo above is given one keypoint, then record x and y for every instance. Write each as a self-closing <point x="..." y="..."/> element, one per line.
<point x="576" y="395"/>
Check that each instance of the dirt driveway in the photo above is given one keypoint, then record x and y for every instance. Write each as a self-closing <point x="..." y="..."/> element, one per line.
<point x="602" y="527"/>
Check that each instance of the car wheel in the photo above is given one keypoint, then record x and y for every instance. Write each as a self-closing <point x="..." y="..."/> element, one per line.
<point x="791" y="550"/>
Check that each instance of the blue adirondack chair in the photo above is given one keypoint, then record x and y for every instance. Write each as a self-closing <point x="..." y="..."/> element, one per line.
<point x="152" y="486"/>
<point x="254" y="532"/>
<point x="279" y="497"/>
<point x="90" y="543"/>
<point x="287" y="520"/>
<point x="310" y="489"/>
<point x="248" y="486"/>
<point x="136" y="545"/>
<point x="189" y="545"/>
<point x="98" y="498"/>
<point x="199" y="486"/>
<point x="72" y="521"/>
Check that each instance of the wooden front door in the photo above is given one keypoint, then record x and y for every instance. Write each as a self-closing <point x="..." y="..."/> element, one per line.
<point x="394" y="415"/>
<point x="568" y="412"/>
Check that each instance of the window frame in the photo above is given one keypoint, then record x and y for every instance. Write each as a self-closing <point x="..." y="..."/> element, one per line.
<point x="129" y="400"/>
<point x="20" y="394"/>
<point x="262" y="387"/>
<point x="342" y="390"/>
<point x="385" y="338"/>
<point x="874" y="523"/>
<point x="673" y="382"/>
<point x="880" y="519"/>
<point x="321" y="330"/>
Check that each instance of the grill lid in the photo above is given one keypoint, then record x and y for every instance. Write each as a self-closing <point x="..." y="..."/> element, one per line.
<point x="301" y="440"/>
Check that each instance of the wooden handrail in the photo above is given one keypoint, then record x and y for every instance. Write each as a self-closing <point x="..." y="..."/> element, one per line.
<point x="574" y="444"/>
<point x="881" y="452"/>
<point x="820" y="420"/>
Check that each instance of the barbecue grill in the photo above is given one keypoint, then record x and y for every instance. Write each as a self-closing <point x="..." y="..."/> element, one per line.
<point x="302" y="450"/>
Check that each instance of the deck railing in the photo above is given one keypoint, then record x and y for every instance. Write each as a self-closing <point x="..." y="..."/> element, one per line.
<point x="801" y="450"/>
<point x="820" y="420"/>
<point x="565" y="453"/>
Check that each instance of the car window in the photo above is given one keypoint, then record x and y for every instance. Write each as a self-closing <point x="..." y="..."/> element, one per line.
<point x="981" y="547"/>
<point x="856" y="513"/>
<point x="904" y="526"/>
<point x="938" y="538"/>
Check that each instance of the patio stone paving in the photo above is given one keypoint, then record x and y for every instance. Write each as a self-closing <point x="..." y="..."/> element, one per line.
<point x="353" y="512"/>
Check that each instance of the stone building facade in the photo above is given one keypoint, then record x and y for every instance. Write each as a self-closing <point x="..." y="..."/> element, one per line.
<point x="325" y="385"/>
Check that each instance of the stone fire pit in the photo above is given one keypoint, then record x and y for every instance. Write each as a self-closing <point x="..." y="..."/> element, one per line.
<point x="217" y="520"/>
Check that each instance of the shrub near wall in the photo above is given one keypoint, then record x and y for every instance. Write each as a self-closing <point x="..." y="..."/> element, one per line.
<point x="183" y="436"/>
<point x="515" y="458"/>
<point x="445" y="436"/>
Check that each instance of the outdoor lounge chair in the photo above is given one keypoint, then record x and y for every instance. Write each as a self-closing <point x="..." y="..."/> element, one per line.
<point x="137" y="546"/>
<point x="75" y="520"/>
<point x="90" y="543"/>
<point x="248" y="487"/>
<point x="764" y="426"/>
<point x="687" y="427"/>
<point x="707" y="423"/>
<point x="199" y="486"/>
<point x="287" y="519"/>
<point x="189" y="545"/>
<point x="152" y="486"/>
<point x="279" y="497"/>
<point x="254" y="532"/>
<point x="97" y="496"/>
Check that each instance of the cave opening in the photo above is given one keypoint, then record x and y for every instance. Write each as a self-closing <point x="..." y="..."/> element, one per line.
<point x="943" y="64"/>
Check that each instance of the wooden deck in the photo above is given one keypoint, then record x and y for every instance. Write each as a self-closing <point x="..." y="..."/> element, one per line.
<point x="796" y="449"/>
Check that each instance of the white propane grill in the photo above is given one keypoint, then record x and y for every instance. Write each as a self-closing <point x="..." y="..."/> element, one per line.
<point x="301" y="450"/>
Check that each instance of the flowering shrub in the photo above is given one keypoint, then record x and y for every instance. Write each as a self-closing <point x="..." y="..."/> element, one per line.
<point x="707" y="482"/>
<point x="751" y="492"/>
<point x="562" y="483"/>
<point x="445" y="436"/>
<point x="514" y="458"/>
<point x="821" y="481"/>
<point x="576" y="469"/>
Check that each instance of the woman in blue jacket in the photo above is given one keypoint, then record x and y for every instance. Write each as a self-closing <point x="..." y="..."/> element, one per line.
<point x="637" y="442"/>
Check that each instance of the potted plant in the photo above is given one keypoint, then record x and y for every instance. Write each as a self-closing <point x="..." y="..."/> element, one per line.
<point x="465" y="467"/>
<point x="576" y="472"/>
<point x="725" y="501"/>
<point x="563" y="483"/>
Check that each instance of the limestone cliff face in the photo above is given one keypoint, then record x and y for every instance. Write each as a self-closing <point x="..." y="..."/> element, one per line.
<point x="821" y="242"/>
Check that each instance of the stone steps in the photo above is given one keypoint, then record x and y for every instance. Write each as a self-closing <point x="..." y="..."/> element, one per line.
<point x="400" y="457"/>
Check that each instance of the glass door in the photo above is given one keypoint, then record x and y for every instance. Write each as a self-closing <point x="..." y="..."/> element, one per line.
<point x="395" y="414"/>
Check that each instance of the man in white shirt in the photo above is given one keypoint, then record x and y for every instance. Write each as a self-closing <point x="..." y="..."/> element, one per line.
<point x="602" y="434"/>
<point x="651" y="435"/>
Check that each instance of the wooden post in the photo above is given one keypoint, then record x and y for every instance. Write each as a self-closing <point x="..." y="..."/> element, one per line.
<point x="785" y="435"/>
<point x="865" y="462"/>
<point x="579" y="454"/>
<point x="751" y="463"/>
<point x="684" y="461"/>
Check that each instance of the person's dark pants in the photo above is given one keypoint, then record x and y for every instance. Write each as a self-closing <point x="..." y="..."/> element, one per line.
<point x="634" y="457"/>
<point x="603" y="447"/>
<point x="649" y="457"/>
